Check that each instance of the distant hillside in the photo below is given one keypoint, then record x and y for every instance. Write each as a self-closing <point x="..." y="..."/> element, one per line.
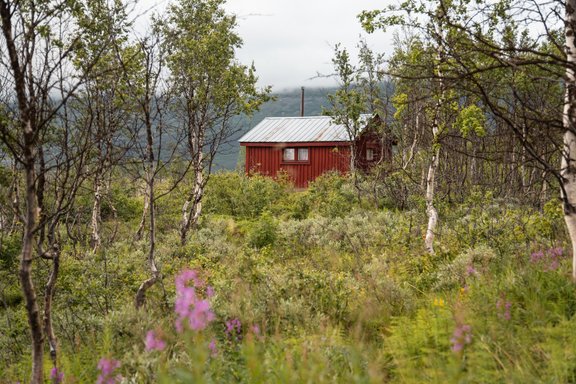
<point x="287" y="103"/>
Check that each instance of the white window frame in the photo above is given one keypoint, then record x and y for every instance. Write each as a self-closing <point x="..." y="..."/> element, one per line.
<point x="287" y="151"/>
<point x="303" y="150"/>
<point x="369" y="154"/>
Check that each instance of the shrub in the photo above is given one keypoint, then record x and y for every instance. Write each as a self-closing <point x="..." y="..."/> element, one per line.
<point x="332" y="195"/>
<point x="468" y="265"/>
<point x="263" y="232"/>
<point x="235" y="194"/>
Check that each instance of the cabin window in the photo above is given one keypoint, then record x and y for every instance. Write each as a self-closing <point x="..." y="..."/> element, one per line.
<point x="302" y="154"/>
<point x="289" y="154"/>
<point x="295" y="154"/>
<point x="369" y="154"/>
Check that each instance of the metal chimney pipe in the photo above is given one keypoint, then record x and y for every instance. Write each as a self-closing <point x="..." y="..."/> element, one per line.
<point x="302" y="103"/>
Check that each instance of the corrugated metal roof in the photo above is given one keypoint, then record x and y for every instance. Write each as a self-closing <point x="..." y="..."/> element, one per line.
<point x="296" y="129"/>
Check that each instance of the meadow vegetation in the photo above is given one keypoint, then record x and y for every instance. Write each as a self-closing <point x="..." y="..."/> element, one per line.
<point x="330" y="284"/>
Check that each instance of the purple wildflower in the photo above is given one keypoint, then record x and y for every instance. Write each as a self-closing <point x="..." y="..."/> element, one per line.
<point x="56" y="376"/>
<point x="554" y="264"/>
<point x="536" y="256"/>
<point x="209" y="291"/>
<point x="504" y="307"/>
<point x="184" y="278"/>
<point x="255" y="329"/>
<point x="471" y="271"/>
<point x="213" y="348"/>
<point x="154" y="342"/>
<point x="233" y="327"/>
<point x="549" y="259"/>
<point x="200" y="315"/>
<point x="507" y="307"/>
<point x="107" y="368"/>
<point x="188" y="305"/>
<point x="461" y="337"/>
<point x="557" y="252"/>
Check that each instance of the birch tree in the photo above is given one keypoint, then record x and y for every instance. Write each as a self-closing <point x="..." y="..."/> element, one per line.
<point x="568" y="165"/>
<point x="38" y="41"/>
<point x="210" y="87"/>
<point x="143" y="72"/>
<point x="103" y="103"/>
<point x="349" y="102"/>
<point x="435" y="28"/>
<point x="489" y="46"/>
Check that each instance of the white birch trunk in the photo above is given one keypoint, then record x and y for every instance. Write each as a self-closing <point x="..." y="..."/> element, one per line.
<point x="430" y="191"/>
<point x="523" y="159"/>
<point x="568" y="165"/>
<point x="142" y="224"/>
<point x="569" y="191"/>
<point x="434" y="162"/>
<point x="192" y="208"/>
<point x="95" y="221"/>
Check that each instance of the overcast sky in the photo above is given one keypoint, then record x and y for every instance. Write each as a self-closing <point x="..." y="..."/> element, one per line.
<point x="290" y="41"/>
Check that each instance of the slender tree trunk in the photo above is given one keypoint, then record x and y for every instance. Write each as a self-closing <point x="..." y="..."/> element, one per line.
<point x="40" y="186"/>
<point x="192" y="208"/>
<point x="31" y="211"/>
<point x="523" y="172"/>
<point x="569" y="192"/>
<point x="430" y="191"/>
<point x="473" y="167"/>
<point x="142" y="224"/>
<point x="568" y="165"/>
<point x="95" y="240"/>
<point x="433" y="167"/>
<point x="155" y="274"/>
<point x="353" y="155"/>
<point x="150" y="177"/>
<point x="15" y="190"/>
<point x="25" y="271"/>
<point x="543" y="196"/>
<point x="48" y="297"/>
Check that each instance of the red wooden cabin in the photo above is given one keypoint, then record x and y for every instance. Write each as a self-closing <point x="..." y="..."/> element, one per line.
<point x="307" y="147"/>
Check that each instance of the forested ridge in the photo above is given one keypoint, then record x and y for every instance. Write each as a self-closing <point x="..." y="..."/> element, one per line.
<point x="130" y="254"/>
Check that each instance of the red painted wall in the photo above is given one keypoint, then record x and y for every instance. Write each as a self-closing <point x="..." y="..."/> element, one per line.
<point x="323" y="157"/>
<point x="266" y="158"/>
<point x="380" y="152"/>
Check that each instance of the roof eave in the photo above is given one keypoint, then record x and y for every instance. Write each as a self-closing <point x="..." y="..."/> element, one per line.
<point x="296" y="144"/>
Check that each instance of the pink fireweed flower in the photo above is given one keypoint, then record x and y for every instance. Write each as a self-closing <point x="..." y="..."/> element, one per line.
<point x="536" y="256"/>
<point x="234" y="329"/>
<point x="461" y="337"/>
<point x="184" y="278"/>
<point x="200" y="315"/>
<point x="154" y="342"/>
<point x="471" y="271"/>
<point x="213" y="348"/>
<point x="549" y="259"/>
<point x="107" y="368"/>
<point x="233" y="326"/>
<point x="56" y="376"/>
<point x="256" y="332"/>
<point x="209" y="291"/>
<point x="188" y="306"/>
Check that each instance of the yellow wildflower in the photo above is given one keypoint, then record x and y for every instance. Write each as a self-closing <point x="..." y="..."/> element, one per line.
<point x="438" y="302"/>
